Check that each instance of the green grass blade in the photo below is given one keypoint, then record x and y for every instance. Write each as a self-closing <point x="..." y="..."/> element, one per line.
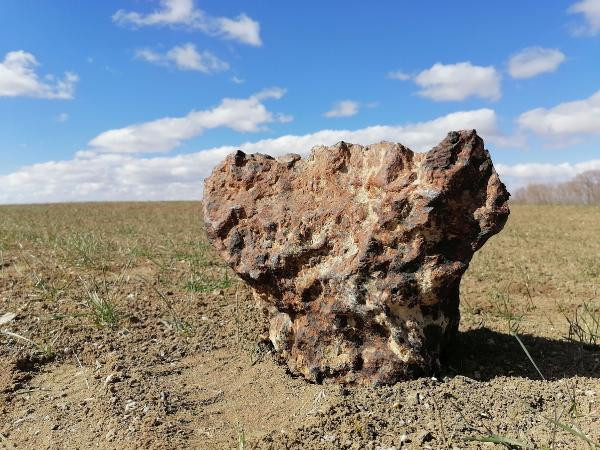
<point x="501" y="440"/>
<point x="528" y="355"/>
<point x="572" y="431"/>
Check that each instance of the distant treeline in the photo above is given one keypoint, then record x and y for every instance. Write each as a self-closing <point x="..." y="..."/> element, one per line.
<point x="584" y="189"/>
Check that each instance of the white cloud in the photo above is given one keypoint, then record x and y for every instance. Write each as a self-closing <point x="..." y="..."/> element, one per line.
<point x="519" y="175"/>
<point x="243" y="115"/>
<point x="533" y="61"/>
<point x="398" y="75"/>
<point x="184" y="13"/>
<point x="185" y="57"/>
<point x="419" y="136"/>
<point x="62" y="117"/>
<point x="242" y="28"/>
<point x="447" y="82"/>
<point x="344" y="108"/>
<point x="591" y="12"/>
<point x="565" y="120"/>
<point x="237" y="80"/>
<point x="107" y="176"/>
<point x="19" y="79"/>
<point x="172" y="12"/>
<point x="151" y="56"/>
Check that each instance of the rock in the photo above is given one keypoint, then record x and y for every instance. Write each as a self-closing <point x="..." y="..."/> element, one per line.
<point x="413" y="398"/>
<point x="356" y="253"/>
<point x="424" y="436"/>
<point x="7" y="317"/>
<point x="130" y="405"/>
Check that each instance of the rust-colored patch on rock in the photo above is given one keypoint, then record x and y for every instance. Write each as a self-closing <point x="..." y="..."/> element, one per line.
<point x="356" y="253"/>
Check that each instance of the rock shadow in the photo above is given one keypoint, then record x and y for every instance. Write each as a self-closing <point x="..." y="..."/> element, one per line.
<point x="484" y="354"/>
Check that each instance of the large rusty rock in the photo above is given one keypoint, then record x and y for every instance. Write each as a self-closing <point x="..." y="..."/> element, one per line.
<point x="356" y="253"/>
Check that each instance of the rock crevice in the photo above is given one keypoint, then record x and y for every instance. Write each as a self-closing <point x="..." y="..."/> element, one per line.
<point x="356" y="253"/>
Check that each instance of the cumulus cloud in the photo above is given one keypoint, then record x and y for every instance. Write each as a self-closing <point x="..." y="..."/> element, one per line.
<point x="185" y="57"/>
<point x="344" y="108"/>
<point x="452" y="82"/>
<point x="243" y="115"/>
<point x="242" y="28"/>
<point x="19" y="79"/>
<point x="533" y="61"/>
<point x="150" y="56"/>
<point x="398" y="75"/>
<point x="420" y="136"/>
<point x="184" y="13"/>
<point x="519" y="175"/>
<point x="92" y="175"/>
<point x="590" y="9"/>
<point x="564" y="121"/>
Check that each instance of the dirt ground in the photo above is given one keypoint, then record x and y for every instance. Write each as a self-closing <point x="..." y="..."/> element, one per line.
<point x="120" y="329"/>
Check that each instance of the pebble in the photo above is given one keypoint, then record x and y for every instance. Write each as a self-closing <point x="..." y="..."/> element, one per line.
<point x="424" y="436"/>
<point x="413" y="398"/>
<point x="130" y="405"/>
<point x="6" y="318"/>
<point x="329" y="437"/>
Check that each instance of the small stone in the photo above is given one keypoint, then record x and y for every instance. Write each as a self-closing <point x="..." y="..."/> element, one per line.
<point x="7" y="317"/>
<point x="356" y="253"/>
<point x="413" y="398"/>
<point x="329" y="437"/>
<point x="112" y="378"/>
<point x="424" y="436"/>
<point x="130" y="406"/>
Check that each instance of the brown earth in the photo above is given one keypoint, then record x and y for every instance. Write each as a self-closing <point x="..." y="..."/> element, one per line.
<point x="130" y="333"/>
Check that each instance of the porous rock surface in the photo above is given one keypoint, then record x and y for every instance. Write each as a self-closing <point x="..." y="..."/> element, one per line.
<point x="356" y="252"/>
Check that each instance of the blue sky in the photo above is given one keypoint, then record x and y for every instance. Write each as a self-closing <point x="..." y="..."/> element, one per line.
<point x="86" y="87"/>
